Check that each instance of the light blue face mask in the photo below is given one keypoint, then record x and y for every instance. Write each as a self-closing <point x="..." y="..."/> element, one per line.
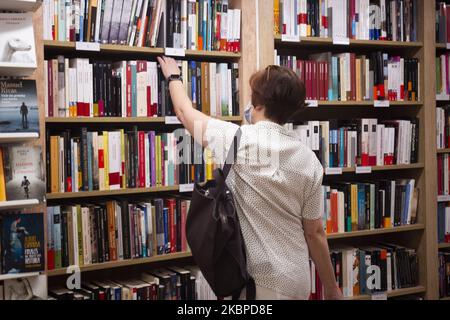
<point x="248" y="113"/>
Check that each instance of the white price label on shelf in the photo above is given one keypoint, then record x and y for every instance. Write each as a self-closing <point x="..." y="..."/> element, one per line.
<point x="343" y="41"/>
<point x="381" y="103"/>
<point x="175" y="52"/>
<point x="363" y="170"/>
<point x="172" y="120"/>
<point x="333" y="171"/>
<point x="87" y="46"/>
<point x="444" y="198"/>
<point x="186" y="187"/>
<point x="379" y="296"/>
<point x="290" y="38"/>
<point x="448" y="46"/>
<point x="442" y="97"/>
<point x="312" y="103"/>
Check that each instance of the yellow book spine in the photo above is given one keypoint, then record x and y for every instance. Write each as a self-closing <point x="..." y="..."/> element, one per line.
<point x="2" y="179"/>
<point x="276" y="15"/>
<point x="209" y="165"/>
<point x="354" y="207"/>
<point x="106" y="155"/>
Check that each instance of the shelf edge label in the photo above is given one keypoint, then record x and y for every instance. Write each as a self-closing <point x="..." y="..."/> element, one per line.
<point x="290" y="38"/>
<point x="172" y="120"/>
<point x="87" y="46"/>
<point x="379" y="296"/>
<point x="363" y="170"/>
<point x="333" y="171"/>
<point x="186" y="187"/>
<point x="175" y="52"/>
<point x="448" y="46"/>
<point x="312" y="103"/>
<point x="343" y="41"/>
<point x="442" y="97"/>
<point x="381" y="104"/>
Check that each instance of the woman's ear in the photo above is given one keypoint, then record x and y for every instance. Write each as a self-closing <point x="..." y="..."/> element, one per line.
<point x="259" y="108"/>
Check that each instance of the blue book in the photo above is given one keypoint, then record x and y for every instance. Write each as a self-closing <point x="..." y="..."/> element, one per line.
<point x="204" y="26"/>
<point x="335" y="80"/>
<point x="341" y="147"/>
<point x="361" y="206"/>
<point x="166" y="230"/>
<point x="133" y="90"/>
<point x="23" y="243"/>
<point x="193" y="66"/>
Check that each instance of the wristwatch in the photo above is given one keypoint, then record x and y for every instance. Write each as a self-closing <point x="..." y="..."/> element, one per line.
<point x="174" y="77"/>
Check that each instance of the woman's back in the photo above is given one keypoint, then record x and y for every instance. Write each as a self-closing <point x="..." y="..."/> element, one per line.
<point x="276" y="182"/>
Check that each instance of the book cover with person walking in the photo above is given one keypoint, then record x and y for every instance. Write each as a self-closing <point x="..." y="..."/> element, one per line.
<point x="24" y="172"/>
<point x="19" y="110"/>
<point x="22" y="238"/>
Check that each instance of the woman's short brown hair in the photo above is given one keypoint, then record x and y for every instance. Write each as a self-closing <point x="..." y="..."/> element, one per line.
<point x="280" y="91"/>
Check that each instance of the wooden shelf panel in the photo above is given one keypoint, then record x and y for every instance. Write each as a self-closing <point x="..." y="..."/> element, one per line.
<point x="440" y="151"/>
<point x="441" y="46"/>
<point x="444" y="245"/>
<point x="443" y="198"/>
<point x="17" y="137"/>
<point x="159" y="120"/>
<point x="109" y="193"/>
<point x="368" y="233"/>
<point x="19" y="5"/>
<point x="308" y="41"/>
<point x="393" y="294"/>
<point x="11" y="276"/>
<point x="121" y="49"/>
<point x="18" y="204"/>
<point x="367" y="104"/>
<point x="413" y="166"/>
<point x="445" y="299"/>
<point x="123" y="263"/>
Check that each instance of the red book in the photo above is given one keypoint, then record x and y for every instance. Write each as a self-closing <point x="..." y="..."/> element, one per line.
<point x="183" y="226"/>
<point x="128" y="89"/>
<point x="50" y="258"/>
<point x="334" y="212"/>
<point x="141" y="153"/>
<point x="447" y="18"/>
<point x="314" y="80"/>
<point x="171" y="204"/>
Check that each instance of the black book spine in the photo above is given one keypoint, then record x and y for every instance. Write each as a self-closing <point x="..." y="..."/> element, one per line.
<point x="68" y="161"/>
<point x="119" y="95"/>
<point x="398" y="205"/>
<point x="235" y="88"/>
<point x="64" y="240"/>
<point x="169" y="23"/>
<point x="105" y="234"/>
<point x="126" y="230"/>
<point x="367" y="209"/>
<point x="99" y="233"/>
<point x="109" y="89"/>
<point x="84" y="159"/>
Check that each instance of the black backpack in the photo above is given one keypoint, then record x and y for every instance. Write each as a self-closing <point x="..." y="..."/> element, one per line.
<point x="214" y="234"/>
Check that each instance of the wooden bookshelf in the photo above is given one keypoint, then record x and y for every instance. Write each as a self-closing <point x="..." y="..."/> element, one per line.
<point x="11" y="276"/>
<point x="63" y="46"/>
<point x="441" y="46"/>
<point x="368" y="104"/>
<point x="123" y="263"/>
<point x="109" y="193"/>
<point x="442" y="151"/>
<point x="328" y="42"/>
<point x="354" y="170"/>
<point x="100" y="120"/>
<point x="18" y="204"/>
<point x="368" y="233"/>
<point x="445" y="299"/>
<point x="20" y="5"/>
<point x="393" y="294"/>
<point x="444" y="245"/>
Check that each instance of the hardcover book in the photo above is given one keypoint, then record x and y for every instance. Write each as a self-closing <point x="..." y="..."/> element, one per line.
<point x="24" y="172"/>
<point x="17" y="47"/>
<point x="19" y="110"/>
<point x="23" y="243"/>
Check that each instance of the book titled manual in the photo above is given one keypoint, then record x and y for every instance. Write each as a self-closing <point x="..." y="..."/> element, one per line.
<point x="17" y="45"/>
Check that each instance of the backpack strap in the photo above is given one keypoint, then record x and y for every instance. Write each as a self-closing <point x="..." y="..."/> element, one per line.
<point x="232" y="153"/>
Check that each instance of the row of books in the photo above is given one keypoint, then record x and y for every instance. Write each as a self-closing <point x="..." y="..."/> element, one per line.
<point x="112" y="160"/>
<point x="395" y="20"/>
<point x="444" y="274"/>
<point x="354" y="267"/>
<point x="189" y="24"/>
<point x="22" y="175"/>
<point x="172" y="283"/>
<point x="443" y="127"/>
<point x="117" y="230"/>
<point x="364" y="142"/>
<point x="442" y="22"/>
<point x="369" y="206"/>
<point x="22" y="243"/>
<point x="443" y="174"/>
<point x="442" y="74"/>
<point x="443" y="223"/>
<point x="80" y="87"/>
<point x="348" y="77"/>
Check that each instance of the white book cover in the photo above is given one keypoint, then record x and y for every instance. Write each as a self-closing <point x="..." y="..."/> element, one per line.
<point x="147" y="162"/>
<point x="392" y="202"/>
<point x="380" y="140"/>
<point x="141" y="80"/>
<point x="114" y="159"/>
<point x="373" y="137"/>
<point x="314" y="127"/>
<point x="326" y="143"/>
<point x="229" y="93"/>
<point x="17" y="45"/>
<point x="154" y="89"/>
<point x="412" y="185"/>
